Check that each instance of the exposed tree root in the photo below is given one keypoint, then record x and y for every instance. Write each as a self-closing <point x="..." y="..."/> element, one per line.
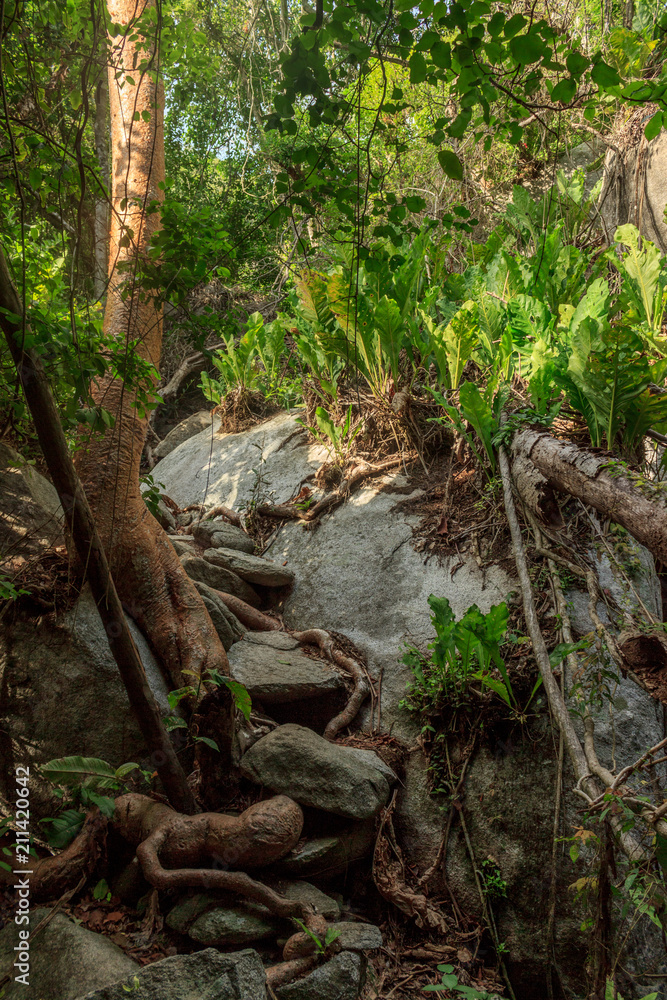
<point x="248" y="616"/>
<point x="363" y="470"/>
<point x="286" y="972"/>
<point x="587" y="784"/>
<point x="300" y="945"/>
<point x="262" y="834"/>
<point x="226" y="512"/>
<point x="389" y="877"/>
<point x="54" y="876"/>
<point x="320" y="638"/>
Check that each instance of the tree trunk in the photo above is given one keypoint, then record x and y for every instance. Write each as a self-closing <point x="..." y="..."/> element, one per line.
<point x="150" y="579"/>
<point x="101" y="128"/>
<point x="543" y="464"/>
<point x="89" y="547"/>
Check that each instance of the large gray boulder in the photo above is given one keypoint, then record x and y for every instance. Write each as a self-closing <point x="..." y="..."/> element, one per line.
<point x="205" y="975"/>
<point x="273" y="669"/>
<point x="328" y="857"/>
<point x="62" y="693"/>
<point x="295" y="761"/>
<point x="196" y="423"/>
<point x="225" y="920"/>
<point x="341" y="978"/>
<point x="31" y="518"/>
<point x="634" y="187"/>
<point x="359" y="574"/>
<point x="65" y="960"/>
<point x="229" y="469"/>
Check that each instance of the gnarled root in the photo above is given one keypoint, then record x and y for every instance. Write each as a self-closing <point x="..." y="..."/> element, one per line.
<point x="54" y="876"/>
<point x="319" y="637"/>
<point x="263" y="833"/>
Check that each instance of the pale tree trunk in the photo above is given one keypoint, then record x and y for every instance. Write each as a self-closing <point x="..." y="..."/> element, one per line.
<point x="150" y="579"/>
<point x="101" y="128"/>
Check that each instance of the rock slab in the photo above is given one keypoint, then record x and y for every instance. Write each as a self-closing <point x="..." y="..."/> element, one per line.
<point x="225" y="920"/>
<point x="62" y="692"/>
<point x="66" y="960"/>
<point x="202" y="571"/>
<point x="219" y="534"/>
<point x="205" y="975"/>
<point x="253" y="569"/>
<point x="342" y="978"/>
<point x="295" y="761"/>
<point x="328" y="857"/>
<point x="278" y="675"/>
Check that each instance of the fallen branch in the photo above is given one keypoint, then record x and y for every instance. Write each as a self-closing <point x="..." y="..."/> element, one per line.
<point x="319" y="637"/>
<point x="629" y="499"/>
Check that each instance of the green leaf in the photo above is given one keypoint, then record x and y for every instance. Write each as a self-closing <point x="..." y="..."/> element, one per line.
<point x="641" y="265"/>
<point x="605" y="76"/>
<point x="418" y="67"/>
<point x="391" y="331"/>
<point x="563" y="650"/>
<point x="528" y="48"/>
<point x="101" y="890"/>
<point x="125" y="769"/>
<point x="514" y="25"/>
<point x="494" y="685"/>
<point x="454" y="343"/>
<point x="576" y="64"/>
<point x="174" y="697"/>
<point x="241" y="698"/>
<point x="208" y="741"/>
<point x="174" y="722"/>
<point x="477" y="411"/>
<point x="564" y="91"/>
<point x="74" y="770"/>
<point x="64" y="828"/>
<point x="654" y="126"/>
<point x="441" y="54"/>
<point x="451" y="164"/>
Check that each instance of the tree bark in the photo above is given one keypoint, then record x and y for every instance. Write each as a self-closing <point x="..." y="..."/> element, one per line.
<point x="544" y="464"/>
<point x="101" y="129"/>
<point x="150" y="579"/>
<point x="89" y="546"/>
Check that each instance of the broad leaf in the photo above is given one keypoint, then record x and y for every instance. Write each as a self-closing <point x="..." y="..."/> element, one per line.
<point x="391" y="331"/>
<point x="74" y="770"/>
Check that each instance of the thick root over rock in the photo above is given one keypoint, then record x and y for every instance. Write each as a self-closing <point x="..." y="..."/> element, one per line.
<point x="262" y="834"/>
